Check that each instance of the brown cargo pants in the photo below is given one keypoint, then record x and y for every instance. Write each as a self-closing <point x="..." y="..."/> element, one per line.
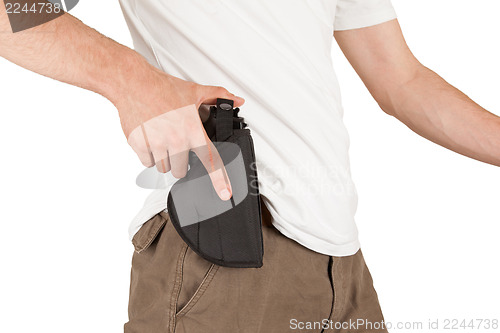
<point x="297" y="290"/>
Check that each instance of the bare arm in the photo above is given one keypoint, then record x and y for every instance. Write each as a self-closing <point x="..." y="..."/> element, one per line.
<point x="67" y="50"/>
<point x="417" y="96"/>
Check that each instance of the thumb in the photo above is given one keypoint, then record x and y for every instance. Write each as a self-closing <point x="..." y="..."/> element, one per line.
<point x="209" y="95"/>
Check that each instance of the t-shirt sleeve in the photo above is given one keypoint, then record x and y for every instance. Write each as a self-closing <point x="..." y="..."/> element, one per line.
<point x="354" y="14"/>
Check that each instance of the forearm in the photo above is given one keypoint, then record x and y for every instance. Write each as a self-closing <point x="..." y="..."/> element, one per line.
<point x="417" y="96"/>
<point x="436" y="110"/>
<point x="67" y="50"/>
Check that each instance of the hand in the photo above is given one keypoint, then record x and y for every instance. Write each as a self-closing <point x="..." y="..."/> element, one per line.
<point x="161" y="121"/>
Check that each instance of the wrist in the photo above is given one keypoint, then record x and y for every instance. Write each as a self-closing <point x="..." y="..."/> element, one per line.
<point x="137" y="89"/>
<point x="129" y="75"/>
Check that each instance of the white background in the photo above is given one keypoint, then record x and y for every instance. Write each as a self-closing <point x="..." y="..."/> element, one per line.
<point x="428" y="218"/>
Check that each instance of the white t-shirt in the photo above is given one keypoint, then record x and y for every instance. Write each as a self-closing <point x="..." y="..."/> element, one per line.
<point x="277" y="55"/>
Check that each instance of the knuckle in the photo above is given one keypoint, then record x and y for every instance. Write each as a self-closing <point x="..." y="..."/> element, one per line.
<point x="142" y="149"/>
<point x="161" y="169"/>
<point x="157" y="145"/>
<point x="193" y="127"/>
<point x="222" y="90"/>
<point x="179" y="173"/>
<point x="176" y="142"/>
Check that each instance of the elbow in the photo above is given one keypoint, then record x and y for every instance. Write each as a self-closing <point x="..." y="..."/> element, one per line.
<point x="389" y="99"/>
<point x="395" y="91"/>
<point x="388" y="107"/>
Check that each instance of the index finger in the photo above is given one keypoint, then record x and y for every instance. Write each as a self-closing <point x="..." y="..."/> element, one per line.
<point x="211" y="160"/>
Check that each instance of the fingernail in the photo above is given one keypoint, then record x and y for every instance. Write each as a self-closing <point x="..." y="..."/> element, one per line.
<point x="225" y="195"/>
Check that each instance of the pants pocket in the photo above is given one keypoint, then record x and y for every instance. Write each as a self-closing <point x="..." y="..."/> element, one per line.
<point x="154" y="284"/>
<point x="148" y="233"/>
<point x="196" y="276"/>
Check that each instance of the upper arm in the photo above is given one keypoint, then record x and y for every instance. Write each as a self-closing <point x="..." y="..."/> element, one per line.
<point x="380" y="56"/>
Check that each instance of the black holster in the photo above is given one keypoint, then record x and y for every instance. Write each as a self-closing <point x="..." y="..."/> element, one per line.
<point x="233" y="237"/>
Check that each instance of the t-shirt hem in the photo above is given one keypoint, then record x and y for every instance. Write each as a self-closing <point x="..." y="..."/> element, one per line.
<point x="337" y="250"/>
<point x="329" y="249"/>
<point x="363" y="21"/>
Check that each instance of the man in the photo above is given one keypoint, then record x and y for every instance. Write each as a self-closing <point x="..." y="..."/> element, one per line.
<point x="276" y="54"/>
